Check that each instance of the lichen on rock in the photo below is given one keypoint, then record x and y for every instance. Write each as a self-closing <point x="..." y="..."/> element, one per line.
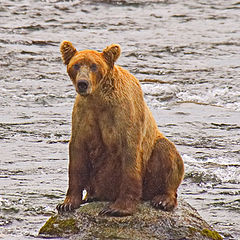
<point x="147" y="223"/>
<point x="58" y="226"/>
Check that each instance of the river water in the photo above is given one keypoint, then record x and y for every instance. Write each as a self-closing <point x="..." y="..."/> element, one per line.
<point x="186" y="54"/>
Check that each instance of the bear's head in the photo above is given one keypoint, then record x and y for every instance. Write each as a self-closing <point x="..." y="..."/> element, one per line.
<point x="88" y="68"/>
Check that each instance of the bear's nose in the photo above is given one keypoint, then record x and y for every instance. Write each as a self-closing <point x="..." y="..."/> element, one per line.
<point x="82" y="85"/>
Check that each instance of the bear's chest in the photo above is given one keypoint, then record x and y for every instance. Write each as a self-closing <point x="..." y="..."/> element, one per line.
<point x="96" y="127"/>
<point x="102" y="138"/>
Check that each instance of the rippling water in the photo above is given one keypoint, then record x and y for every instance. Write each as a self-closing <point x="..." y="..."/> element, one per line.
<point x="186" y="54"/>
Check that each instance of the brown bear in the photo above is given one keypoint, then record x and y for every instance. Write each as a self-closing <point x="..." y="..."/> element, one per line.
<point x="116" y="151"/>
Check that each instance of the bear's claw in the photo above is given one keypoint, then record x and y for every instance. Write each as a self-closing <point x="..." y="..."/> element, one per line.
<point x="164" y="202"/>
<point x="113" y="212"/>
<point x="160" y="205"/>
<point x="63" y="207"/>
<point x="107" y="212"/>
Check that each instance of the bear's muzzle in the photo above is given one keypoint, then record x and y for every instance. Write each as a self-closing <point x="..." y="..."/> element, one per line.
<point x="83" y="87"/>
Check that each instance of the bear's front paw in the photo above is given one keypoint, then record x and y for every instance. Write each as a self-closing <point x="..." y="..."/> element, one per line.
<point x="119" y="209"/>
<point x="114" y="212"/>
<point x="70" y="203"/>
<point x="65" y="207"/>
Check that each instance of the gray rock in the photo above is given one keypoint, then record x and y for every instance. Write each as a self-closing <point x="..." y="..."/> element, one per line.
<point x="147" y="223"/>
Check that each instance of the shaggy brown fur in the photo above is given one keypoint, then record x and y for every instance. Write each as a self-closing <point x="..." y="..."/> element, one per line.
<point x="116" y="151"/>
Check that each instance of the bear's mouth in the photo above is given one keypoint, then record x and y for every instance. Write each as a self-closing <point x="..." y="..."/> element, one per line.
<point x="83" y="93"/>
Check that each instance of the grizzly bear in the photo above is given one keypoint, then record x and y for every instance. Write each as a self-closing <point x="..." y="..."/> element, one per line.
<point x="116" y="151"/>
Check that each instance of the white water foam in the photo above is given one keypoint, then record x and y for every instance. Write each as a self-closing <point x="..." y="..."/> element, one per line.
<point x="213" y="170"/>
<point x="218" y="96"/>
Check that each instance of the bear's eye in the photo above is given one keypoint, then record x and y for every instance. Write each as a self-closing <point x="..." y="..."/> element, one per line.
<point x="76" y="66"/>
<point x="93" y="67"/>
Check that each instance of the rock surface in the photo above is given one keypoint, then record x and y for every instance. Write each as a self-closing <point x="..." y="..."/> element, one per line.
<point x="184" y="223"/>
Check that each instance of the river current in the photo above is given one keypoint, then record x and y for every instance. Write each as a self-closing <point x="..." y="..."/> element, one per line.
<point x="186" y="55"/>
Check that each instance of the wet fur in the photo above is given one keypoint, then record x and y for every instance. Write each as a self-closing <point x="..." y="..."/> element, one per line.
<point x="116" y="150"/>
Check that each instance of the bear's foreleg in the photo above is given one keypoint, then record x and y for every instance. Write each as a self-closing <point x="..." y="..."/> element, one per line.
<point x="78" y="178"/>
<point x="130" y="189"/>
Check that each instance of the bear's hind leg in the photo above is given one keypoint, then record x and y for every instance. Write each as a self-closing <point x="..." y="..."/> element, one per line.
<point x="163" y="175"/>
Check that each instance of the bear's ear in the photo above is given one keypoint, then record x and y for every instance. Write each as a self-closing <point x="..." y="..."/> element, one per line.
<point x="112" y="53"/>
<point x="68" y="51"/>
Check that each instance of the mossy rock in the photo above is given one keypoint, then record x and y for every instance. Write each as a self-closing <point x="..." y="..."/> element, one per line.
<point x="184" y="223"/>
